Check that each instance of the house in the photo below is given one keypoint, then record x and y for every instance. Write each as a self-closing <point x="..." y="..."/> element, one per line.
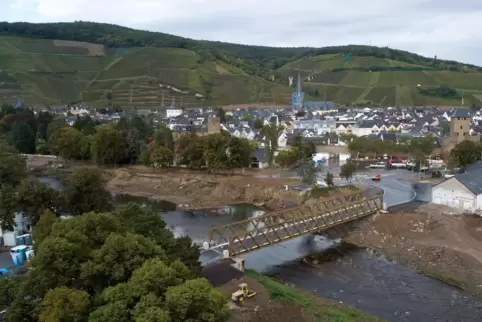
<point x="173" y="112"/>
<point x="259" y="159"/>
<point x="463" y="191"/>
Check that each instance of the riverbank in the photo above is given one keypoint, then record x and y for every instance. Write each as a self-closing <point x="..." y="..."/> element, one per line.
<point x="441" y="245"/>
<point x="278" y="302"/>
<point x="199" y="190"/>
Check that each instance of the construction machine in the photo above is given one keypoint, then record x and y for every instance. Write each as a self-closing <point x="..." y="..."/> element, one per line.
<point x="243" y="293"/>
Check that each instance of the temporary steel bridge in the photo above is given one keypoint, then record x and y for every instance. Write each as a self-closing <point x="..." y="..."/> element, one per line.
<point x="276" y="227"/>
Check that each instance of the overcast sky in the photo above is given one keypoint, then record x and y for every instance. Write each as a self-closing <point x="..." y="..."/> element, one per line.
<point x="446" y="28"/>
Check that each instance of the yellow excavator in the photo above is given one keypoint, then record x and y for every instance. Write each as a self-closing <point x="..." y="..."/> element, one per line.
<point x="242" y="293"/>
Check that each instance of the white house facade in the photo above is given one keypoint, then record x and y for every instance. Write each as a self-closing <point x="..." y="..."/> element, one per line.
<point x="462" y="192"/>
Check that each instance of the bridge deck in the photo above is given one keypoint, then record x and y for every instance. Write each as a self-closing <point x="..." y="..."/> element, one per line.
<point x="273" y="228"/>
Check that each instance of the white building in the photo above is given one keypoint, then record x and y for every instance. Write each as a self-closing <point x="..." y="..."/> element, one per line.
<point x="463" y="191"/>
<point x="173" y="112"/>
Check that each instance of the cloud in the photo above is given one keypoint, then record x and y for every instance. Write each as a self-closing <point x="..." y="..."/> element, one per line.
<point x="444" y="28"/>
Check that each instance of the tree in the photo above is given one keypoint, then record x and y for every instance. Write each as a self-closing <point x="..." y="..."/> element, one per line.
<point x="86" y="191"/>
<point x="54" y="125"/>
<point x="195" y="299"/>
<point x="222" y="115"/>
<point x="161" y="157"/>
<point x="12" y="165"/>
<point x="144" y="158"/>
<point x="466" y="152"/>
<point x="34" y="197"/>
<point x="43" y="121"/>
<point x="305" y="149"/>
<point x="191" y="151"/>
<point x="163" y="137"/>
<point x="85" y="147"/>
<point x="65" y="142"/>
<point x="258" y="124"/>
<point x="287" y="158"/>
<point x="44" y="226"/>
<point x="445" y="129"/>
<point x="42" y="147"/>
<point x="140" y="125"/>
<point x="271" y="135"/>
<point x="8" y="206"/>
<point x="127" y="262"/>
<point x="64" y="305"/>
<point x="9" y="287"/>
<point x="23" y="138"/>
<point x="239" y="153"/>
<point x="134" y="144"/>
<point x="347" y="170"/>
<point x="118" y="257"/>
<point x="329" y="179"/>
<point x="107" y="146"/>
<point x="307" y="171"/>
<point x="85" y="125"/>
<point x="6" y="109"/>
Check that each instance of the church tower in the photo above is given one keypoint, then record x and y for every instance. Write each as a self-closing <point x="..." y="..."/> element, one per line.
<point x="298" y="97"/>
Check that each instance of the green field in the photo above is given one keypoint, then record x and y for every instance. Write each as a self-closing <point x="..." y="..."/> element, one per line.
<point x="48" y="72"/>
<point x="385" y="88"/>
<point x="44" y="72"/>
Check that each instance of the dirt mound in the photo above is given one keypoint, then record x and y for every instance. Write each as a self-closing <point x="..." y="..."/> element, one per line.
<point x="201" y="190"/>
<point x="447" y="247"/>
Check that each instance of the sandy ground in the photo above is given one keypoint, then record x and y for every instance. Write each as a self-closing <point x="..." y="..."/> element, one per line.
<point x="430" y="239"/>
<point x="260" y="307"/>
<point x="194" y="190"/>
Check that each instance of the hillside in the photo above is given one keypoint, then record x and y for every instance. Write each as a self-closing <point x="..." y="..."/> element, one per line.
<point x="42" y="71"/>
<point x="100" y="63"/>
<point x="386" y="82"/>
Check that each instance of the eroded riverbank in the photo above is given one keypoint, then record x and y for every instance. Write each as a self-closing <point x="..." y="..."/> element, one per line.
<point x="427" y="238"/>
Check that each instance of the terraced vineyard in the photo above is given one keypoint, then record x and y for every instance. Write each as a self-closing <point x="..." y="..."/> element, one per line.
<point x="385" y="88"/>
<point x="41" y="71"/>
<point x="52" y="72"/>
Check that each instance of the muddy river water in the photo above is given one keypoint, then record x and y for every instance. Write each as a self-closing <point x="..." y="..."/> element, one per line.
<point x="358" y="277"/>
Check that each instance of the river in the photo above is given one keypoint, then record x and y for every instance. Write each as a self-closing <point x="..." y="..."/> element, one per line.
<point x="358" y="277"/>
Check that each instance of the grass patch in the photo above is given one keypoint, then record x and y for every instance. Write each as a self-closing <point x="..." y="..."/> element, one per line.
<point x="327" y="191"/>
<point x="322" y="310"/>
<point x="321" y="192"/>
<point x="446" y="280"/>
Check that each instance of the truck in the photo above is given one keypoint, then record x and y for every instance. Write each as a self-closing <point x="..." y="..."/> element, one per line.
<point x="397" y="164"/>
<point x="378" y="165"/>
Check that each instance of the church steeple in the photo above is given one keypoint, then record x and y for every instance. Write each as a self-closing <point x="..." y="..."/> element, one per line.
<point x="298" y="84"/>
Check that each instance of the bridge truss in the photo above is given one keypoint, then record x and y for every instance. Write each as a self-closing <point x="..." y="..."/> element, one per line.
<point x="276" y="227"/>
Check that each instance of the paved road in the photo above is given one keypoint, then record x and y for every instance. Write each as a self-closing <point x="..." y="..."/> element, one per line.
<point x="396" y="191"/>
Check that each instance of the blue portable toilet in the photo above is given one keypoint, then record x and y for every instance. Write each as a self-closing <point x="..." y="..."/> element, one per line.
<point x="4" y="272"/>
<point x="19" y="255"/>
<point x="25" y="239"/>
